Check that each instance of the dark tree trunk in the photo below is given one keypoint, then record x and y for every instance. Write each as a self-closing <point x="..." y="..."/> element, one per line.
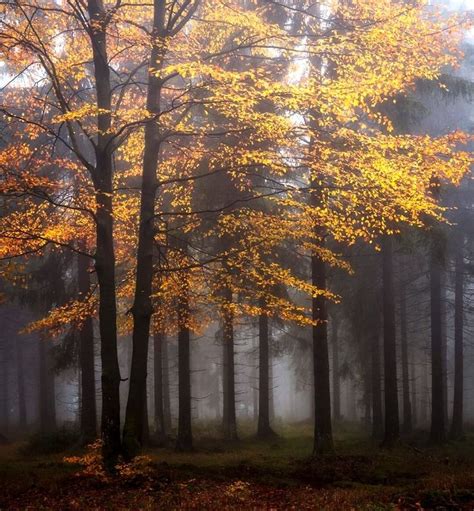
<point x="102" y="175"/>
<point x="255" y="396"/>
<point x="47" y="398"/>
<point x="407" y="413"/>
<point x="425" y="395"/>
<point x="229" y="416"/>
<point x="146" y="424"/>
<point x="377" y="415"/>
<point x="457" y="425"/>
<point x="367" y="397"/>
<point x="142" y="306"/>
<point x="4" y="398"/>
<point x="166" y="387"/>
<point x="336" y="382"/>
<point x="271" y="396"/>
<point x="264" y="429"/>
<point x="184" y="440"/>
<point x="414" y="387"/>
<point x="88" y="413"/>
<point x="105" y="267"/>
<point x="444" y="341"/>
<point x="323" y="442"/>
<point x="438" y="426"/>
<point x="22" y="419"/>
<point x="392" y="425"/>
<point x="160" y="426"/>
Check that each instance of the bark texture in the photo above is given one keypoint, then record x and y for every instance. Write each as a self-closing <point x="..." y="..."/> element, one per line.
<point x="392" y="424"/>
<point x="102" y="175"/>
<point x="88" y="412"/>
<point x="142" y="306"/>
<point x="264" y="429"/>
<point x="438" y="426"/>
<point x="457" y="425"/>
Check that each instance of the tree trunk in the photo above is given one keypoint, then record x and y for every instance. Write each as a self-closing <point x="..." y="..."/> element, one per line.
<point x="367" y="396"/>
<point x="377" y="415"/>
<point x="414" y="387"/>
<point x="392" y="426"/>
<point x="22" y="419"/>
<point x="336" y="382"/>
<point x="457" y="425"/>
<point x="146" y="424"/>
<point x="4" y="397"/>
<point x="438" y="426"/>
<point x="142" y="306"/>
<point x="88" y="413"/>
<point x="102" y="176"/>
<point x="323" y="442"/>
<point x="166" y="387"/>
<point x="105" y="268"/>
<point x="444" y="341"/>
<point x="264" y="429"/>
<point x="407" y="412"/>
<point x="47" y="396"/>
<point x="229" y="415"/>
<point x="425" y="395"/>
<point x="184" y="440"/>
<point x="160" y="427"/>
<point x="271" y="395"/>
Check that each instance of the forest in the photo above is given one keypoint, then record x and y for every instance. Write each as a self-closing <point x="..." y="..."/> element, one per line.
<point x="236" y="254"/>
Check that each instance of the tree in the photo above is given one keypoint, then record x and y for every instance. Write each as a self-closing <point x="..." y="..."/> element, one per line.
<point x="86" y="359"/>
<point x="457" y="418"/>
<point x="264" y="430"/>
<point x="392" y="428"/>
<point x="438" y="426"/>
<point x="407" y="409"/>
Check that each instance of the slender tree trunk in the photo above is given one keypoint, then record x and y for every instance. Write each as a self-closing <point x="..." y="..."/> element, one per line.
<point x="392" y="425"/>
<point x="102" y="176"/>
<point x="105" y="268"/>
<point x="229" y="415"/>
<point x="160" y="427"/>
<point x="414" y="395"/>
<point x="184" y="440"/>
<point x="254" y="377"/>
<point x="146" y="424"/>
<point x="271" y="394"/>
<point x="166" y="387"/>
<point x="367" y="396"/>
<point x="457" y="425"/>
<point x="336" y="382"/>
<point x="142" y="307"/>
<point x="353" y="398"/>
<point x="47" y="397"/>
<point x="425" y="396"/>
<point x="323" y="442"/>
<point x="444" y="341"/>
<point x="407" y="412"/>
<point x="22" y="419"/>
<point x="438" y="426"/>
<point x="4" y="398"/>
<point x="377" y="415"/>
<point x="264" y="429"/>
<point x="88" y="413"/>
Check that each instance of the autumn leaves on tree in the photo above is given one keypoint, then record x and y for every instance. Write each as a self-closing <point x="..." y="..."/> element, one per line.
<point x="209" y="159"/>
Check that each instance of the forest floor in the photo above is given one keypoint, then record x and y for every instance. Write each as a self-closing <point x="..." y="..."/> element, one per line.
<point x="277" y="474"/>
